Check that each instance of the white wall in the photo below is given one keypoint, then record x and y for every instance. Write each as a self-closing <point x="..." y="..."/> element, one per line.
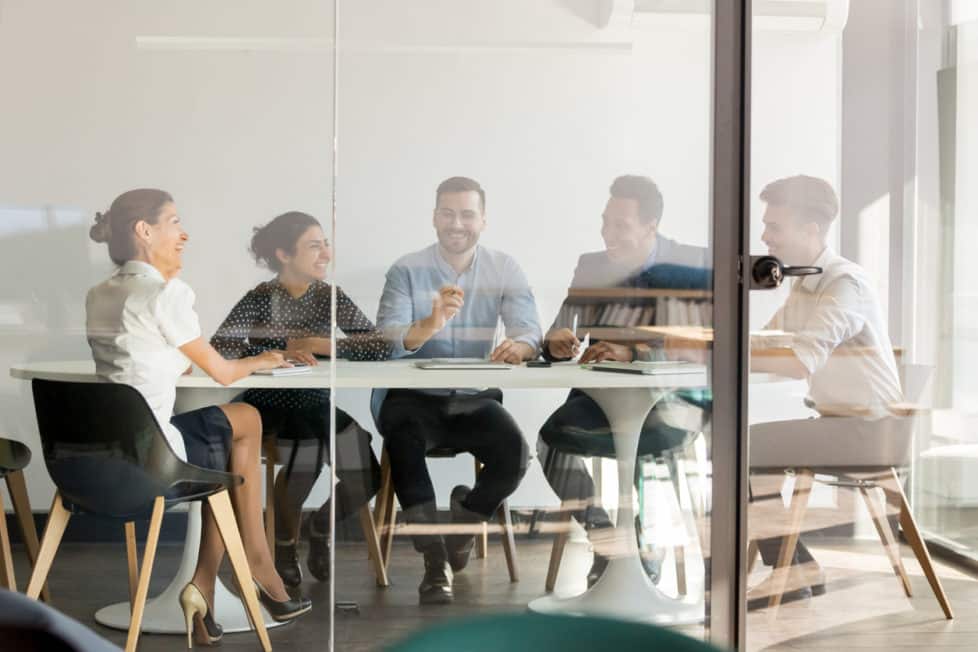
<point x="526" y="96"/>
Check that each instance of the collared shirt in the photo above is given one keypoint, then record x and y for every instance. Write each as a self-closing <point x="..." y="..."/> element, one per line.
<point x="494" y="285"/>
<point x="136" y="321"/>
<point x="839" y="334"/>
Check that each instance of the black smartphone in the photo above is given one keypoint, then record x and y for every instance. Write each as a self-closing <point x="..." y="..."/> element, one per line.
<point x="537" y="363"/>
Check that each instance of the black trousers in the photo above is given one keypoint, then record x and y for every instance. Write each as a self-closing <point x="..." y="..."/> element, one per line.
<point x="303" y="436"/>
<point x="413" y="423"/>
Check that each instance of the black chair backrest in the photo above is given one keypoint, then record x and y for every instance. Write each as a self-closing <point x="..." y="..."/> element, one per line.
<point x="13" y="456"/>
<point x="105" y="451"/>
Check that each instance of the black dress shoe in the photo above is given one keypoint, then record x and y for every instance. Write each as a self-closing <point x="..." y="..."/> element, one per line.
<point x="287" y="564"/>
<point x="318" y="559"/>
<point x="459" y="546"/>
<point x="436" y="585"/>
<point x="598" y="566"/>
<point x="284" y="610"/>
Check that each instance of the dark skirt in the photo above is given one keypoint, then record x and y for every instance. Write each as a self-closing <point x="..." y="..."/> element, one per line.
<point x="206" y="436"/>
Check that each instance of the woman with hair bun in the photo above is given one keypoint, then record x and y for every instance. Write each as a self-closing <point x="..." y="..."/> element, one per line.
<point x="143" y="332"/>
<point x="292" y="312"/>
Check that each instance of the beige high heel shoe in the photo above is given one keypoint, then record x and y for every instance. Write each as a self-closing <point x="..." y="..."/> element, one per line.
<point x="198" y="613"/>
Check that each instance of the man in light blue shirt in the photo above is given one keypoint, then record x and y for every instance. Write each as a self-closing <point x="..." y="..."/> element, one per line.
<point x="446" y="301"/>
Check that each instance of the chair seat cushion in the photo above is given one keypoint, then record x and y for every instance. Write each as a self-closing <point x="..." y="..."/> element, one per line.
<point x="839" y="442"/>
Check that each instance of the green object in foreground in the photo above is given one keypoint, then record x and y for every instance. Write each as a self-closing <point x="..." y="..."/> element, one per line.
<point x="538" y="632"/>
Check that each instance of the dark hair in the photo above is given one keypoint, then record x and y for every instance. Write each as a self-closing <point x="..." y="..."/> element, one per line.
<point x="116" y="225"/>
<point x="811" y="198"/>
<point x="644" y="191"/>
<point x="461" y="184"/>
<point x="281" y="233"/>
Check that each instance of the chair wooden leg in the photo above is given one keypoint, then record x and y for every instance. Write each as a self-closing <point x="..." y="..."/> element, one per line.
<point x="482" y="539"/>
<point x="373" y="546"/>
<point x="557" y="551"/>
<point x="53" y="531"/>
<point x="891" y="484"/>
<point x="271" y="453"/>
<point x="7" y="577"/>
<point x="22" y="507"/>
<point x="799" y="504"/>
<point x="384" y="514"/>
<point x="885" y="533"/>
<point x="509" y="541"/>
<point x="680" y="553"/>
<point x="132" y="557"/>
<point x="142" y="588"/>
<point x="224" y="517"/>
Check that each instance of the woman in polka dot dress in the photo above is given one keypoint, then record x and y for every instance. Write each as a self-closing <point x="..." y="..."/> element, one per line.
<point x="292" y="312"/>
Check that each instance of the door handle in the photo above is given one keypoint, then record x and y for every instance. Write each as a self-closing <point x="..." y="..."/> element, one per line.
<point x="767" y="272"/>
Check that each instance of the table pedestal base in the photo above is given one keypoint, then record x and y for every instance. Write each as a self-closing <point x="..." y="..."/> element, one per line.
<point x="626" y="593"/>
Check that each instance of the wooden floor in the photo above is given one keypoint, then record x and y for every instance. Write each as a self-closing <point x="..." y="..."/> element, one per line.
<point x="864" y="608"/>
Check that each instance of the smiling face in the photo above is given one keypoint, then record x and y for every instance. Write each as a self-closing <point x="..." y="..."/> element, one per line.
<point x="627" y="239"/>
<point x="309" y="259"/>
<point x="164" y="240"/>
<point x="459" y="220"/>
<point x="788" y="238"/>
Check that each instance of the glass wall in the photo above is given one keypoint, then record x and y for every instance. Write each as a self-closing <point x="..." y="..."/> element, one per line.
<point x="522" y="179"/>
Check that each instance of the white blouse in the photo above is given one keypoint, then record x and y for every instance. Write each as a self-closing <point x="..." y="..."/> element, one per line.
<point x="135" y="321"/>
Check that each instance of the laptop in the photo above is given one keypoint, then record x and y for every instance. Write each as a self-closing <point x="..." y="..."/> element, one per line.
<point x="456" y="364"/>
<point x="658" y="367"/>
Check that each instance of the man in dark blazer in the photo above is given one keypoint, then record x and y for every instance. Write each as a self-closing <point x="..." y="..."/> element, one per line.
<point x="636" y="255"/>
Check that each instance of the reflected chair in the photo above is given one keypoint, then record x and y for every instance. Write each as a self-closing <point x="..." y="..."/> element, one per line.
<point x="385" y="515"/>
<point x="27" y="625"/>
<point x="863" y="455"/>
<point x="270" y="455"/>
<point x="14" y="457"/>
<point x="532" y="632"/>
<point x="682" y="418"/>
<point x="109" y="458"/>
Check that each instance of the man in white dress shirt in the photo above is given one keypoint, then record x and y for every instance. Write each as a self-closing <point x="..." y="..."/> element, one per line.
<point x="839" y="342"/>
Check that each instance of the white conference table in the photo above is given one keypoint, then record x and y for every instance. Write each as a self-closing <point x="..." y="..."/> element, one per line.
<point x="624" y="590"/>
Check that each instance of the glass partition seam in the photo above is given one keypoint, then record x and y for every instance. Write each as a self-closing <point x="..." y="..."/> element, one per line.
<point x="730" y="319"/>
<point x="331" y="590"/>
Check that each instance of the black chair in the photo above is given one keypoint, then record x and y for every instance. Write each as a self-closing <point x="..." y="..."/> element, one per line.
<point x="385" y="516"/>
<point x="685" y="414"/>
<point x="108" y="457"/>
<point x="14" y="457"/>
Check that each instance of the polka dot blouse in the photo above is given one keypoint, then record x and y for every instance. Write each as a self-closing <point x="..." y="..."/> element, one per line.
<point x="267" y="316"/>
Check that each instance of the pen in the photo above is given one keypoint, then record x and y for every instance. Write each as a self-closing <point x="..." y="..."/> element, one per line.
<point x="574" y="325"/>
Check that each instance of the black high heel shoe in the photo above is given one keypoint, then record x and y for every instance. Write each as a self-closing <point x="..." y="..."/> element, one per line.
<point x="286" y="609"/>
<point x="199" y="618"/>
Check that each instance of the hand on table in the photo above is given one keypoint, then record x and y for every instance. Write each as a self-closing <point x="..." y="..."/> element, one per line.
<point x="305" y="349"/>
<point x="607" y="351"/>
<point x="510" y="352"/>
<point x="563" y="344"/>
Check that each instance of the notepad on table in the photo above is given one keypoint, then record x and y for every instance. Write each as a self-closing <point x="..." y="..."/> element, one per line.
<point x="285" y="371"/>
<point x="659" y="367"/>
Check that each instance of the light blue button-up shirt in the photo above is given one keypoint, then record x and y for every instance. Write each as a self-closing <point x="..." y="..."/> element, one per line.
<point x="495" y="287"/>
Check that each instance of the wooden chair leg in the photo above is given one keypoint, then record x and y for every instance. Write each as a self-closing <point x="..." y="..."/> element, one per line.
<point x="891" y="484"/>
<point x="680" y="554"/>
<point x="53" y="531"/>
<point x="142" y="588"/>
<point x="509" y="541"/>
<point x="799" y="504"/>
<point x="885" y="533"/>
<point x="373" y="546"/>
<point x="271" y="453"/>
<point x="220" y="504"/>
<point x="557" y="551"/>
<point x="482" y="539"/>
<point x="132" y="558"/>
<point x="22" y="508"/>
<point x="7" y="577"/>
<point x="385" y="516"/>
